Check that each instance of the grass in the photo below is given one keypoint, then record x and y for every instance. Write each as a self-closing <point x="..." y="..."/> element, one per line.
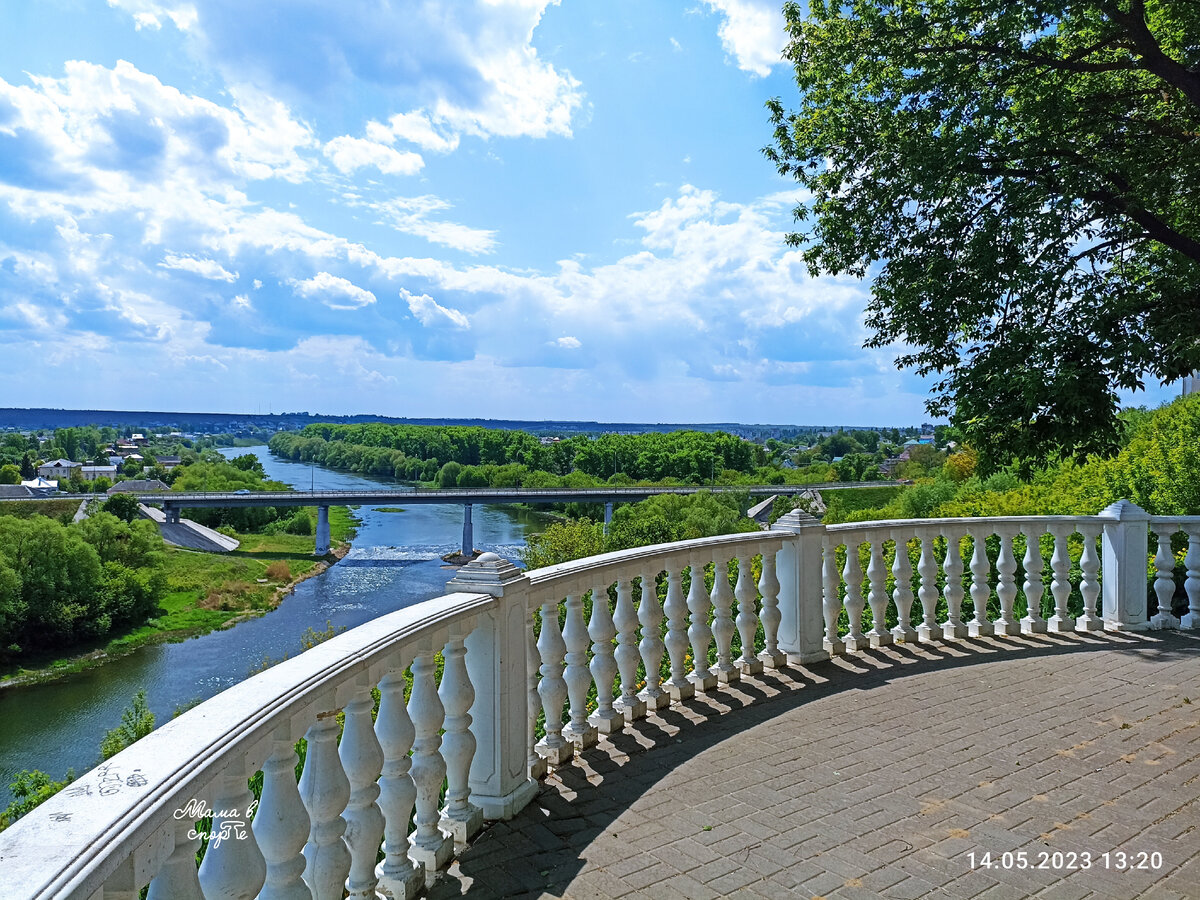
<point x="206" y="591"/>
<point x="853" y="499"/>
<point x="63" y="510"/>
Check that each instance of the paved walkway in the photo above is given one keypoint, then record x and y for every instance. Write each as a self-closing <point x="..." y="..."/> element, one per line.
<point x="880" y="775"/>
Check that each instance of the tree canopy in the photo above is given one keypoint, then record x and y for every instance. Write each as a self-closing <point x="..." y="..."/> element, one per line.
<point x="1022" y="179"/>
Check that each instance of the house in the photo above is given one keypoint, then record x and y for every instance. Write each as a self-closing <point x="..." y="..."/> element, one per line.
<point x="40" y="486"/>
<point x="58" y="469"/>
<point x="91" y="473"/>
<point x="138" y="486"/>
<point x="15" y="492"/>
<point x="137" y="438"/>
<point x="925" y="439"/>
<point x="169" y="462"/>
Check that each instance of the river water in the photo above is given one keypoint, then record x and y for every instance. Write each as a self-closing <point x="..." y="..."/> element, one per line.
<point x="395" y="562"/>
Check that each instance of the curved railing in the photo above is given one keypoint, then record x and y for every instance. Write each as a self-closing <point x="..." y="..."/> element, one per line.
<point x="438" y="705"/>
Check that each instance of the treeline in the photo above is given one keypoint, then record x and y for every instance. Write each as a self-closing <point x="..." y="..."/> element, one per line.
<point x="62" y="585"/>
<point x="490" y="457"/>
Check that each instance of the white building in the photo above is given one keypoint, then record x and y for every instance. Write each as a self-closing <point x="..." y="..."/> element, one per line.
<point x="58" y="469"/>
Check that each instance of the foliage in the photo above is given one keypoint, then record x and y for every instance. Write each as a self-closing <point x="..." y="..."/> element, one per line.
<point x="30" y="789"/>
<point x="123" y="506"/>
<point x="215" y="473"/>
<point x="136" y="722"/>
<point x="10" y="474"/>
<point x="1022" y="179"/>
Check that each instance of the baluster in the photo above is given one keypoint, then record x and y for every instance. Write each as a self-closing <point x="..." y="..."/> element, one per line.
<point x="400" y="877"/>
<point x="953" y="628"/>
<point x="747" y="617"/>
<point x="1192" y="583"/>
<point x="629" y="705"/>
<point x="325" y="790"/>
<point x="602" y="630"/>
<point x="1033" y="623"/>
<point x="362" y="759"/>
<point x="979" y="626"/>
<point x="768" y="585"/>
<point x="537" y="765"/>
<point x="177" y="879"/>
<point x="1089" y="580"/>
<point x="460" y="819"/>
<point x="677" y="643"/>
<point x="699" y="634"/>
<point x="1164" y="579"/>
<point x="831" y="603"/>
<point x="577" y="675"/>
<point x="902" y="595"/>
<point x="429" y="846"/>
<point x="852" y="574"/>
<point x="1006" y="586"/>
<point x="927" y="567"/>
<point x="1060" y="587"/>
<point x="233" y="866"/>
<point x="722" y="627"/>
<point x="651" y="646"/>
<point x="877" y="595"/>
<point x="554" y="747"/>
<point x="281" y="824"/>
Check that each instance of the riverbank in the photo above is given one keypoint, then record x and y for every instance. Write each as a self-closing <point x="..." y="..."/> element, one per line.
<point x="206" y="592"/>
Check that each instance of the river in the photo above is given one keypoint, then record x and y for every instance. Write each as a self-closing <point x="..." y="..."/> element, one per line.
<point x="395" y="562"/>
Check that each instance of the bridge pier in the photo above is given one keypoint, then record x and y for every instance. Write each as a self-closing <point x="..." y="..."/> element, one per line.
<point x="468" y="541"/>
<point x="321" y="546"/>
<point x="607" y="515"/>
<point x="171" y="514"/>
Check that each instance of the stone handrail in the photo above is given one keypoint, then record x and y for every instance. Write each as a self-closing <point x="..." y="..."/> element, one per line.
<point x="645" y="628"/>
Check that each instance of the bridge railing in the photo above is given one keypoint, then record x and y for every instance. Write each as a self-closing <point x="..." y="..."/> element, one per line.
<point x="476" y="692"/>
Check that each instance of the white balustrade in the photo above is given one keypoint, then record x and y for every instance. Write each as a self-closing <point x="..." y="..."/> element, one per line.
<point x="1192" y="582"/>
<point x="1006" y="585"/>
<point x="233" y="866"/>
<point x="723" y="629"/>
<point x="877" y="595"/>
<point x="601" y="629"/>
<point x="430" y="846"/>
<point x="852" y="574"/>
<point x="954" y="627"/>
<point x="980" y="625"/>
<point x="281" y="825"/>
<point x="1089" y="581"/>
<point x="927" y="568"/>
<point x="362" y="760"/>
<point x="625" y="618"/>
<point x="651" y="646"/>
<point x="577" y="674"/>
<point x="902" y="593"/>
<point x="679" y="687"/>
<point x="460" y="819"/>
<point x="325" y="790"/>
<point x="177" y="879"/>
<point x="747" y="617"/>
<point x="1033" y="622"/>
<point x="768" y="585"/>
<point x="1060" y="587"/>
<point x="1164" y="579"/>
<point x="535" y="763"/>
<point x="400" y="876"/>
<point x="700" y="636"/>
<point x="554" y="746"/>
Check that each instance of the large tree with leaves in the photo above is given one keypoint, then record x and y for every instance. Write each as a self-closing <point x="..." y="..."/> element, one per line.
<point x="1021" y="180"/>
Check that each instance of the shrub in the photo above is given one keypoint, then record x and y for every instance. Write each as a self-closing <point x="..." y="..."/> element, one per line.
<point x="279" y="571"/>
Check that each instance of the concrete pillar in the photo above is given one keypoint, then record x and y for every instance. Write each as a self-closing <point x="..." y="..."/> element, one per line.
<point x="1123" y="562"/>
<point x="322" y="540"/>
<point x="171" y="514"/>
<point x="801" y="590"/>
<point x="497" y="665"/>
<point x="468" y="543"/>
<point x="607" y="515"/>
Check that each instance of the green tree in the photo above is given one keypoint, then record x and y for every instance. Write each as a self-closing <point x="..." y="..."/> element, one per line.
<point x="1022" y="180"/>
<point x="136" y="722"/>
<point x="10" y="474"/>
<point x="123" y="506"/>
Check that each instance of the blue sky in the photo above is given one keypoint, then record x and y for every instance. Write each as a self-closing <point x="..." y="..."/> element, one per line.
<point x="485" y="208"/>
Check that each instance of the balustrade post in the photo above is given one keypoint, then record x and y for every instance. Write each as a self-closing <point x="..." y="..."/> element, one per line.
<point x="430" y="846"/>
<point x="325" y="791"/>
<point x="831" y="602"/>
<point x="362" y="758"/>
<point x="1034" y="622"/>
<point x="852" y="574"/>
<point x="1089" y="581"/>
<point x="629" y="705"/>
<point x="651" y="646"/>
<point x="233" y="866"/>
<point x="536" y="766"/>
<point x="747" y="617"/>
<point x="677" y="643"/>
<point x="601" y="629"/>
<point x="768" y="585"/>
<point x="1192" y="583"/>
<point x="177" y="879"/>
<point x="461" y="819"/>
<point x="981" y="592"/>
<point x="553" y="747"/>
<point x="281" y="824"/>
<point x="877" y="595"/>
<point x="400" y="876"/>
<point x="1164" y="579"/>
<point x="501" y="670"/>
<point x="927" y="568"/>
<point x="699" y="634"/>
<point x="1060" y="587"/>
<point x="801" y="630"/>
<point x="902" y="594"/>
<point x="1123" y="562"/>
<point x="577" y="674"/>
<point x="954" y="628"/>
<point x="723" y="630"/>
<point x="1006" y="585"/>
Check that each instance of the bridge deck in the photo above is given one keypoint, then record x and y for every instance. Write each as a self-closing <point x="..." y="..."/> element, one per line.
<point x="878" y="776"/>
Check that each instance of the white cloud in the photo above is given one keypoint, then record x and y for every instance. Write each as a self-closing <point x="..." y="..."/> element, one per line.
<point x="334" y="291"/>
<point x="430" y="313"/>
<point x="752" y="31"/>
<point x="351" y="153"/>
<point x="151" y="13"/>
<point x="411" y="215"/>
<point x="675" y="45"/>
<point x="567" y="342"/>
<point x="415" y="128"/>
<point x="205" y="268"/>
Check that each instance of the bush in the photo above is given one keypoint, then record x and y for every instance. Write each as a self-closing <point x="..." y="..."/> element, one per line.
<point x="300" y="523"/>
<point x="279" y="571"/>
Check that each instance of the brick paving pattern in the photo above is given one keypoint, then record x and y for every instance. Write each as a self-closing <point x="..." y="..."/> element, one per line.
<point x="878" y="775"/>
